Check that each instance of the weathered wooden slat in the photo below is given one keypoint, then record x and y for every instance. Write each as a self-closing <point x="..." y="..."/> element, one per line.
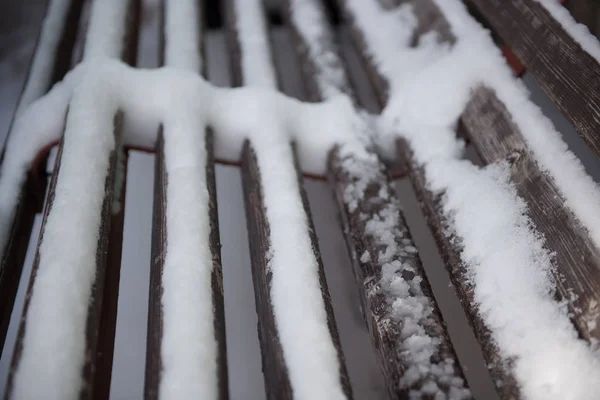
<point x="431" y="207"/>
<point x="586" y="12"/>
<point x="32" y="194"/>
<point x="277" y="381"/>
<point x="374" y="197"/>
<point x="496" y="138"/>
<point x="275" y="370"/>
<point x="94" y="309"/>
<point x="217" y="275"/>
<point x="568" y="74"/>
<point x="159" y="248"/>
<point x="101" y="320"/>
<point x="108" y="317"/>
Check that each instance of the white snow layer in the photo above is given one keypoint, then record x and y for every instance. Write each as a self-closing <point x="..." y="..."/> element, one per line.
<point x="106" y="31"/>
<point x="430" y="85"/>
<point x="579" y="32"/>
<point x="298" y="307"/>
<point x="410" y="308"/>
<point x="54" y="342"/>
<point x="182" y="35"/>
<point x="309" y="19"/>
<point x="251" y="32"/>
<point x="189" y="348"/>
<point x="186" y="104"/>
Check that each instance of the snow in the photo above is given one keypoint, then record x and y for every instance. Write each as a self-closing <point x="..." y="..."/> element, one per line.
<point x="180" y="100"/>
<point x="182" y="35"/>
<point x="296" y="295"/>
<point x="430" y="86"/>
<point x="105" y="37"/>
<point x="410" y="309"/>
<point x="400" y="284"/>
<point x="582" y="35"/>
<point x="251" y="32"/>
<point x="189" y="350"/>
<point x="309" y="19"/>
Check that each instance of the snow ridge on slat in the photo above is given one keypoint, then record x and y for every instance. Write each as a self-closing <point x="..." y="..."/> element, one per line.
<point x="433" y="79"/>
<point x="400" y="309"/>
<point x="57" y="345"/>
<point x="186" y="353"/>
<point x="302" y="358"/>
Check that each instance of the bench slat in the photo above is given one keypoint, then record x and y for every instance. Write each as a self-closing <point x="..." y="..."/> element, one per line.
<point x="159" y="245"/>
<point x="278" y="383"/>
<point x="94" y="309"/>
<point x="431" y="207"/>
<point x="155" y="332"/>
<point x="348" y="174"/>
<point x="567" y="73"/>
<point x="33" y="191"/>
<point x="496" y="138"/>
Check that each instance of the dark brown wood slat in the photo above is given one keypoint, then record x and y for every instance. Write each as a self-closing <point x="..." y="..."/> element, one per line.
<point x="217" y="275"/>
<point x="108" y="315"/>
<point x="94" y="309"/>
<point x="31" y="198"/>
<point x="586" y="12"/>
<point x="430" y="205"/>
<point x="159" y="247"/>
<point x="101" y="320"/>
<point x="567" y="73"/>
<point x="277" y="381"/>
<point x="496" y="138"/>
<point x="345" y="174"/>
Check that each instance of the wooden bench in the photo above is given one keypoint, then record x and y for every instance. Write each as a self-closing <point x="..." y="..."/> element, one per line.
<point x="372" y="219"/>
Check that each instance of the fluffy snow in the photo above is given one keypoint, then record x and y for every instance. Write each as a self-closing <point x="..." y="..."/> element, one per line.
<point x="429" y="87"/>
<point x="309" y="19"/>
<point x="579" y="32"/>
<point x="251" y="32"/>
<point x="400" y="283"/>
<point x="410" y="308"/>
<point x="309" y="353"/>
<point x="189" y="347"/>
<point x="182" y="35"/>
<point x="430" y="84"/>
<point x="186" y="104"/>
<point x="105" y="34"/>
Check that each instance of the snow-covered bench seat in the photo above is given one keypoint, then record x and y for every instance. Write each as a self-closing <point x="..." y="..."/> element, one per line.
<point x="518" y="230"/>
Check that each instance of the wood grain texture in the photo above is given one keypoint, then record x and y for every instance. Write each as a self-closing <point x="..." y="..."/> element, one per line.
<point x="567" y="73"/>
<point x="499" y="368"/>
<point x="277" y="382"/>
<point x="343" y="178"/>
<point x="108" y="317"/>
<point x="159" y="247"/>
<point x="32" y="194"/>
<point x="496" y="138"/>
<point x="97" y="292"/>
